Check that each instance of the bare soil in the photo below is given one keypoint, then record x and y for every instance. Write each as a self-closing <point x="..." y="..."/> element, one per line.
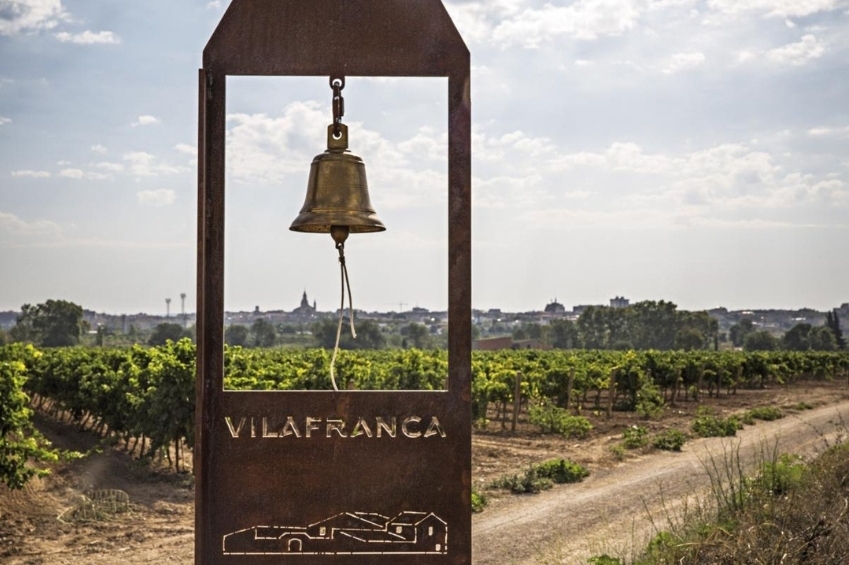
<point x="607" y="512"/>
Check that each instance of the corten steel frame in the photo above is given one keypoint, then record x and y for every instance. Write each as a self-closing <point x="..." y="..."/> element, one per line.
<point x="246" y="482"/>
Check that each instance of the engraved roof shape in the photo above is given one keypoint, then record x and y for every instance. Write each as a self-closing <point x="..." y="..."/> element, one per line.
<point x="328" y="37"/>
<point x="411" y="518"/>
<point x="270" y="532"/>
<point x="365" y="521"/>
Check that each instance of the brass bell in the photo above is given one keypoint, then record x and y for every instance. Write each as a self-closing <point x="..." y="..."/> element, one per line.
<point x="337" y="192"/>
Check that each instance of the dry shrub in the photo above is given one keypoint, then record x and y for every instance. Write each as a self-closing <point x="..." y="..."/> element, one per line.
<point x="791" y="513"/>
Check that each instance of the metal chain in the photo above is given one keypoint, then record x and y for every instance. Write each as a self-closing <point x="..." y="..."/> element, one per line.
<point x="337" y="84"/>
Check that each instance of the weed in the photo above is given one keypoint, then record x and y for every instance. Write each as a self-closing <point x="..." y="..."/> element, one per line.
<point x="562" y="471"/>
<point x="604" y="559"/>
<point x="553" y="419"/>
<point x="479" y="501"/>
<point x="635" y="437"/>
<point x="670" y="440"/>
<point x="707" y="424"/>
<point x="618" y="452"/>
<point x="802" y="406"/>
<point x="783" y="474"/>
<point x="537" y="478"/>
<point x="766" y="413"/>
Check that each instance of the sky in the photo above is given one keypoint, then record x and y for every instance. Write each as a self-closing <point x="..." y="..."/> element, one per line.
<point x="689" y="150"/>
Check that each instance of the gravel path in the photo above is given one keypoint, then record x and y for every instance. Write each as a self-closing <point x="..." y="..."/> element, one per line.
<point x="614" y="510"/>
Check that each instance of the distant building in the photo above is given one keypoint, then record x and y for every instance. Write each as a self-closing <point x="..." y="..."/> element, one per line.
<point x="577" y="310"/>
<point x="305" y="310"/>
<point x="555" y="307"/>
<point x="619" y="302"/>
<point x="8" y="319"/>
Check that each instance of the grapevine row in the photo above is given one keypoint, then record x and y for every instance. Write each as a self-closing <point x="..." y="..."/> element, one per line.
<point x="145" y="395"/>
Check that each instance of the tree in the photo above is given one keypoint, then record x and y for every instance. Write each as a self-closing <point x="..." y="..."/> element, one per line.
<point x="563" y="334"/>
<point x="797" y="338"/>
<point x="417" y="335"/>
<point x="592" y="327"/>
<point x="263" y="332"/>
<point x="822" y="339"/>
<point x="535" y="331"/>
<point x="760" y="340"/>
<point x="236" y="334"/>
<point x="691" y="324"/>
<point x="55" y="323"/>
<point x="740" y="330"/>
<point x="655" y="324"/>
<point x="167" y="331"/>
<point x="833" y="322"/>
<point x="369" y="335"/>
<point x="688" y="339"/>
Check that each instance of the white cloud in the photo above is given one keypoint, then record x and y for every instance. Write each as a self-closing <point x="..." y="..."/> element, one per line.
<point x="144" y="164"/>
<point x="31" y="174"/>
<point x="584" y="19"/>
<point x="522" y="22"/>
<point x="89" y="38"/>
<point x="156" y="198"/>
<point x="829" y="131"/>
<point x="774" y="8"/>
<point x="72" y="173"/>
<point x="798" y="53"/>
<point x="111" y="167"/>
<point x="99" y="149"/>
<point x="145" y="120"/>
<point x="630" y="157"/>
<point x="214" y="5"/>
<point x="744" y="56"/>
<point x="63" y="163"/>
<point x="264" y="149"/>
<point x="12" y="225"/>
<point x="620" y="156"/>
<point x="80" y="174"/>
<point x="18" y="16"/>
<point x="683" y="61"/>
<point x="4" y="120"/>
<point x="186" y="148"/>
<point x="514" y="144"/>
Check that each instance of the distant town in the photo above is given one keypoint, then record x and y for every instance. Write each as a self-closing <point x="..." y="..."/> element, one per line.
<point x="492" y="328"/>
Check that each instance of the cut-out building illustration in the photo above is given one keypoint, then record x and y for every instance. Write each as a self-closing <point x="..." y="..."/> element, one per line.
<point x="346" y="533"/>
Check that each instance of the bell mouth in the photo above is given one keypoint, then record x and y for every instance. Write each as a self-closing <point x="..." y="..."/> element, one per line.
<point x="317" y="220"/>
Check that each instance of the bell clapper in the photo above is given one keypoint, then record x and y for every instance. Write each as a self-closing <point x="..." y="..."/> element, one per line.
<point x="339" y="235"/>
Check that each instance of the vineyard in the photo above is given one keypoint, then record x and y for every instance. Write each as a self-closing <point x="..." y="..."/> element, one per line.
<point x="145" y="395"/>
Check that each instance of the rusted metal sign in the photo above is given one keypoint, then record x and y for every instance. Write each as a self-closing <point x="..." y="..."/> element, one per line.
<point x="348" y="477"/>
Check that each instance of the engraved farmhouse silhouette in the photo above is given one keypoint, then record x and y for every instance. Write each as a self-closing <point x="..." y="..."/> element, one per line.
<point x="346" y="533"/>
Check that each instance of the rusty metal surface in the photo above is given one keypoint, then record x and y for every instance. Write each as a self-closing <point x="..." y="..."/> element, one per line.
<point x="332" y="37"/>
<point x="265" y="492"/>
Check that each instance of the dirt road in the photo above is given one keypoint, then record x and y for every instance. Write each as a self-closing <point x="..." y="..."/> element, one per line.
<point x="609" y="512"/>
